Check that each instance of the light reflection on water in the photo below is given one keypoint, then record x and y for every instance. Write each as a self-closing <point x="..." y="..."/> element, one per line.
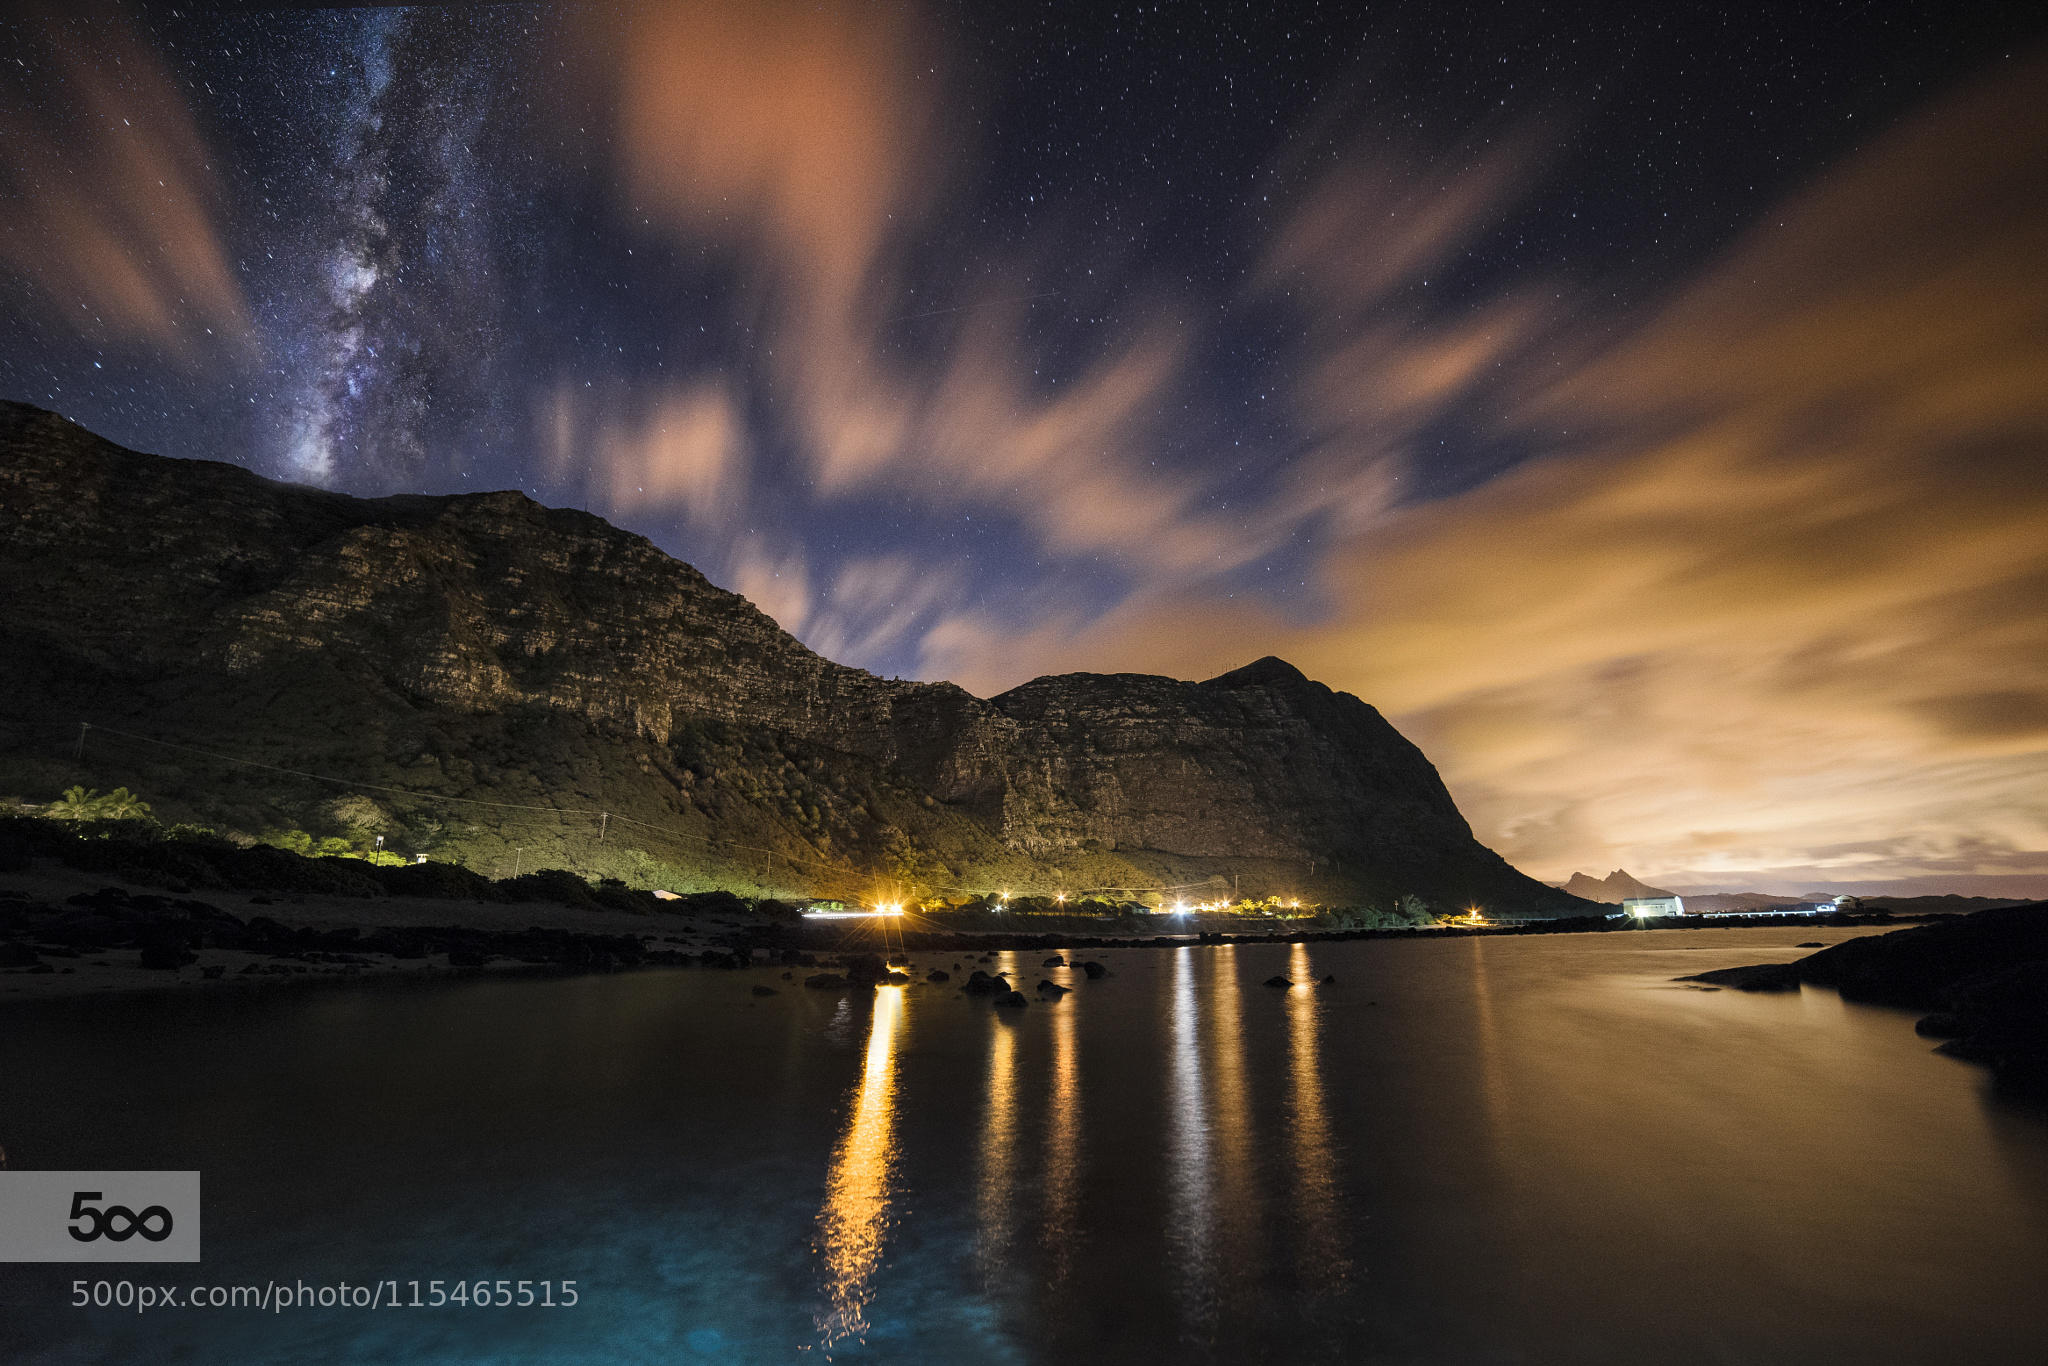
<point x="995" y="1185"/>
<point x="1060" y="1227"/>
<point x="1317" y="1196"/>
<point x="1191" y="1227"/>
<point x="1238" y="1207"/>
<point x="855" y="1220"/>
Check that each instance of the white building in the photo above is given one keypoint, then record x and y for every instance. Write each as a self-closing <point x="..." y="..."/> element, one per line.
<point x="1643" y="907"/>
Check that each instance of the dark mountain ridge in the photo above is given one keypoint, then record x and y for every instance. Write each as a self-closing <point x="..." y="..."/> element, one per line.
<point x="481" y="648"/>
<point x="1615" y="888"/>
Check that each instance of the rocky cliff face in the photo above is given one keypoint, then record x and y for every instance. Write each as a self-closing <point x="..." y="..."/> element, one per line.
<point x="483" y="646"/>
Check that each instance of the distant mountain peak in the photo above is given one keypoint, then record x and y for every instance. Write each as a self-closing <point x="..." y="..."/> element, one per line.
<point x="1616" y="887"/>
<point x="1269" y="671"/>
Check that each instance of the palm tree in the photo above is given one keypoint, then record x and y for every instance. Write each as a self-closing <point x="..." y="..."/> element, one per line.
<point x="123" y="805"/>
<point x="83" y="804"/>
<point x="77" y="804"/>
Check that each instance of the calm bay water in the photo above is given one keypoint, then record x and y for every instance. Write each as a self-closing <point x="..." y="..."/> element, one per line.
<point x="1478" y="1150"/>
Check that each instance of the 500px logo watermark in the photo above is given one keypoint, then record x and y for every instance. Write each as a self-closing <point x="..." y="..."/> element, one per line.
<point x="116" y="1223"/>
<point x="99" y="1216"/>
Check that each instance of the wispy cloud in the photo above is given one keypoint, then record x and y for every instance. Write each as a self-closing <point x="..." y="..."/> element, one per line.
<point x="114" y="201"/>
<point x="679" y="449"/>
<point x="806" y="143"/>
<point x="877" y="602"/>
<point x="1779" y="586"/>
<point x="775" y="580"/>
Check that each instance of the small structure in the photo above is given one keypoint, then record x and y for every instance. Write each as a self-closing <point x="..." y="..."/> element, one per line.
<point x="1643" y="907"/>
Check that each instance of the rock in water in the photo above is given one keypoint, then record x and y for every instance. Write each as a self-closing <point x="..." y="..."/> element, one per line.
<point x="866" y="969"/>
<point x="481" y="644"/>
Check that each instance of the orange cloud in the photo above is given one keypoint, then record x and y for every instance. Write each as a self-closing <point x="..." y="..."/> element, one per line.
<point x="1774" y="607"/>
<point x="798" y="137"/>
<point x="804" y="141"/>
<point x="675" y="457"/>
<point x="115" y="201"/>
<point x="776" y="582"/>
<point x="802" y="126"/>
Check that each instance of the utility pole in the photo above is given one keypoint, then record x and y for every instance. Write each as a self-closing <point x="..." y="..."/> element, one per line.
<point x="604" y="819"/>
<point x="516" y="851"/>
<point x="79" y="754"/>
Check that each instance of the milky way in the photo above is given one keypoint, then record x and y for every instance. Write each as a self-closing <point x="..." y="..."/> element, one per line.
<point x="398" y="346"/>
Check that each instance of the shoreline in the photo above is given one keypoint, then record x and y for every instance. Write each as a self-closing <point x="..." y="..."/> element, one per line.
<point x="75" y="934"/>
<point x="1981" y="981"/>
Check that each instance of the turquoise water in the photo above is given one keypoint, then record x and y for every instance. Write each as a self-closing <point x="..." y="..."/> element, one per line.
<point x="1475" y="1150"/>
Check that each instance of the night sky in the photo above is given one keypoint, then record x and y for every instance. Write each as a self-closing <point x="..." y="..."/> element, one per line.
<point x="1645" y="410"/>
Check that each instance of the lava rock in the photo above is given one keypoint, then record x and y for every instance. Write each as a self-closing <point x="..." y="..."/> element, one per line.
<point x="982" y="984"/>
<point x="1760" y="977"/>
<point x="1940" y="1025"/>
<point x="1279" y="981"/>
<point x="167" y="951"/>
<point x="866" y="969"/>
